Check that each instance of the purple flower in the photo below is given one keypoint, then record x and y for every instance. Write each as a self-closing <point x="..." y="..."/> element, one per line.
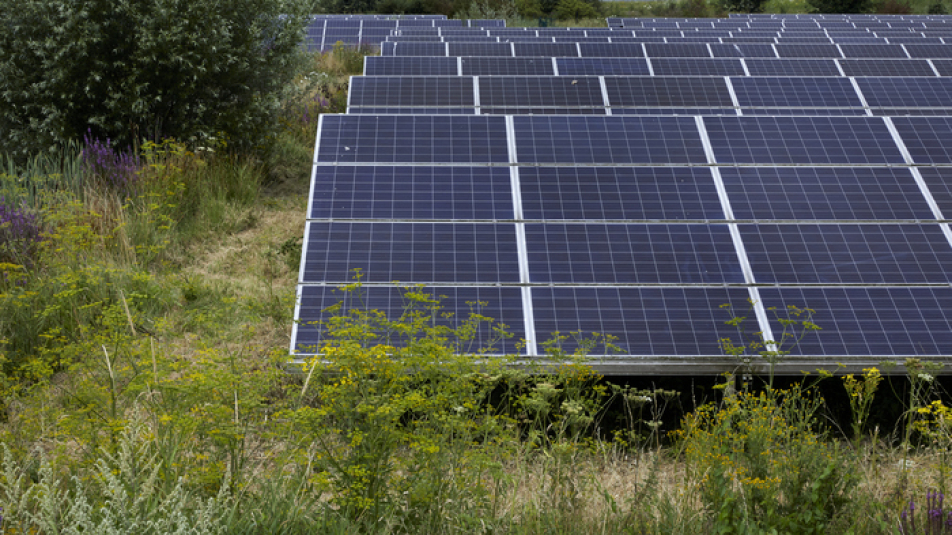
<point x="20" y="235"/>
<point x="109" y="167"/>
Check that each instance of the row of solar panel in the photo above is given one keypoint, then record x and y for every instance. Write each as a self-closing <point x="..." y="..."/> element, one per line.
<point x="632" y="253"/>
<point x="661" y="32"/>
<point x="634" y="140"/>
<point x="678" y="323"/>
<point x="632" y="194"/>
<point x="947" y="39"/>
<point x="494" y="66"/>
<point x="477" y="33"/>
<point x="668" y="50"/>
<point x="614" y="92"/>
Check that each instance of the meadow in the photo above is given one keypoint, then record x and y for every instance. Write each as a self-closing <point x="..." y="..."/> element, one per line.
<point x="146" y="300"/>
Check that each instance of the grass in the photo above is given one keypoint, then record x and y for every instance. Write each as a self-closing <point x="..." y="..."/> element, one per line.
<point x="143" y="351"/>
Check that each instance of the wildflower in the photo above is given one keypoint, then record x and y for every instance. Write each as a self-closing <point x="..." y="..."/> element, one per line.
<point x="925" y="377"/>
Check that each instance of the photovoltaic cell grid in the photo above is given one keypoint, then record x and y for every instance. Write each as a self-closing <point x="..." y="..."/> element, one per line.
<point x="641" y="227"/>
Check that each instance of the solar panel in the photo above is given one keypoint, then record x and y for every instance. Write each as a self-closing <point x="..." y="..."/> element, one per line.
<point x="791" y="67"/>
<point x="556" y="91"/>
<point x="479" y="49"/>
<point x="411" y="91"/>
<point x="807" y="51"/>
<point x="503" y="304"/>
<point x="873" y="51"/>
<point x="634" y="253"/>
<point x="405" y="138"/>
<point x="743" y="50"/>
<point x="847" y="254"/>
<point x="412" y="110"/>
<point x="410" y="252"/>
<point x="618" y="193"/>
<point x="942" y="66"/>
<point x="792" y="92"/>
<point x="939" y="182"/>
<point x="872" y="321"/>
<point x="696" y="67"/>
<point x="926" y="138"/>
<point x="824" y="193"/>
<point x="644" y="321"/>
<point x="611" y="50"/>
<point x="506" y="66"/>
<point x="886" y="67"/>
<point x="677" y="50"/>
<point x="545" y="49"/>
<point x="637" y="224"/>
<point x="601" y="110"/>
<point x="418" y="49"/>
<point x="619" y="140"/>
<point x="409" y="66"/>
<point x="601" y="66"/>
<point x="411" y="192"/>
<point x="928" y="51"/>
<point x="901" y="92"/>
<point x="802" y="140"/>
<point x="667" y="91"/>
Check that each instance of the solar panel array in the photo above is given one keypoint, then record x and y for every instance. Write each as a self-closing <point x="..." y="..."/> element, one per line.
<point x="326" y="31"/>
<point x="632" y="188"/>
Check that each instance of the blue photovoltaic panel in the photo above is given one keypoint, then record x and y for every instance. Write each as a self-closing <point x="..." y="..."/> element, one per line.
<point x="621" y="254"/>
<point x="548" y="50"/>
<point x="618" y="193"/>
<point x="409" y="66"/>
<point x="824" y="193"/>
<point x="743" y="50"/>
<point x="419" y="49"/>
<point x="929" y="51"/>
<point x="551" y="91"/>
<point x="697" y="67"/>
<point x="805" y="92"/>
<point x="410" y="252"/>
<point x="944" y="66"/>
<point x="791" y="67"/>
<point x="503" y="305"/>
<point x="506" y="66"/>
<point x="939" y="180"/>
<point x="859" y="112"/>
<point x="886" y="67"/>
<point x="667" y="91"/>
<point x="808" y="51"/>
<point x="480" y="49"/>
<point x="418" y="110"/>
<point x="543" y="111"/>
<point x="848" y="254"/>
<point x="602" y="66"/>
<point x="407" y="138"/>
<point x="911" y="92"/>
<point x="649" y="140"/>
<point x="873" y="51"/>
<point x="411" y="192"/>
<point x="677" y="50"/>
<point x="802" y="140"/>
<point x="673" y="111"/>
<point x="927" y="138"/>
<point x="645" y="321"/>
<point x="430" y="91"/>
<point x="612" y="50"/>
<point x="877" y="321"/>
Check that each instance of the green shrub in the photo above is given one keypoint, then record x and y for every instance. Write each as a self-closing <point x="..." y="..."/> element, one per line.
<point x="134" y="69"/>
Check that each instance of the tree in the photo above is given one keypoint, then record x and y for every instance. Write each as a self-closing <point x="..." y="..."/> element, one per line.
<point x="134" y="69"/>
<point x="575" y="9"/>
<point x="840" y="6"/>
